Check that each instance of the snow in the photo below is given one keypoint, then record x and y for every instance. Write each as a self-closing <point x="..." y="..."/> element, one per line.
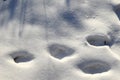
<point x="59" y="39"/>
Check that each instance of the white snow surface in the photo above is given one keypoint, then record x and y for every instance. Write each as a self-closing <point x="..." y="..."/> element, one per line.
<point x="59" y="39"/>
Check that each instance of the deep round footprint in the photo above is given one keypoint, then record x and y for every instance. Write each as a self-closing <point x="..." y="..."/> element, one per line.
<point x="94" y="66"/>
<point x="21" y="56"/>
<point x="98" y="40"/>
<point x="60" y="51"/>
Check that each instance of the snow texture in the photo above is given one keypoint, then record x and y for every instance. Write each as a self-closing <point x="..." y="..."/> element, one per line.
<point x="59" y="39"/>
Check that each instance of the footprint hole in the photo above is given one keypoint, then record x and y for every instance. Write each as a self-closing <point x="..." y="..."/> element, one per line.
<point x="117" y="10"/>
<point x="94" y="67"/>
<point x="98" y="40"/>
<point x="21" y="56"/>
<point x="60" y="51"/>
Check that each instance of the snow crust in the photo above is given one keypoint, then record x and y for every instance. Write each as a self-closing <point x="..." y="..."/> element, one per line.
<point x="59" y="39"/>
